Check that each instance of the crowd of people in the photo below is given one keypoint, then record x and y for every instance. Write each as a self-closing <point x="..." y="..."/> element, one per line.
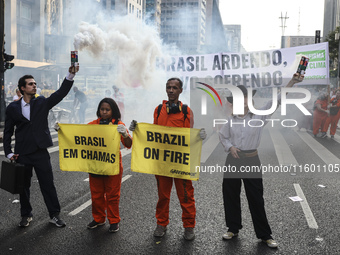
<point x="27" y="115"/>
<point x="326" y="114"/>
<point x="81" y="99"/>
<point x="11" y="91"/>
<point x="324" y="111"/>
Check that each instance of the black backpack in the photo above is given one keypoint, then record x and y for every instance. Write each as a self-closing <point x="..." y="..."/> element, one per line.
<point x="184" y="110"/>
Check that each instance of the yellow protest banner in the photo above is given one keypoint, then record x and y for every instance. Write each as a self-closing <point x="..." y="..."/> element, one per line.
<point x="89" y="148"/>
<point x="166" y="151"/>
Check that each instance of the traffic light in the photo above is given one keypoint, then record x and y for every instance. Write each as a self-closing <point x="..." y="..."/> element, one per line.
<point x="7" y="61"/>
<point x="8" y="65"/>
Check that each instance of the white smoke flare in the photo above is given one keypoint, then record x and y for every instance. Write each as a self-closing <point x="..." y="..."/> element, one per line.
<point x="128" y="43"/>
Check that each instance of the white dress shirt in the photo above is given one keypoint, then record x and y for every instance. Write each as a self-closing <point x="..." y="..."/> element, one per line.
<point x="26" y="109"/>
<point x="241" y="133"/>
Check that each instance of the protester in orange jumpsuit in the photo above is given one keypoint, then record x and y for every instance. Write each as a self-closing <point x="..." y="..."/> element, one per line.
<point x="334" y="116"/>
<point x="173" y="113"/>
<point x="320" y="114"/>
<point x="105" y="189"/>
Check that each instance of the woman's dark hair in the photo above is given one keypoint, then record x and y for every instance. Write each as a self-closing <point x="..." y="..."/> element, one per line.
<point x="22" y="82"/>
<point x="113" y="105"/>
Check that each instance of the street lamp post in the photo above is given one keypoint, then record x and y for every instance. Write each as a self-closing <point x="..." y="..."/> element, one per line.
<point x="337" y="37"/>
<point x="338" y="59"/>
<point x="2" y="69"/>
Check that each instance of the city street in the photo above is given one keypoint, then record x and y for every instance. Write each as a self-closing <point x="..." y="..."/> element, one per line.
<point x="269" y="70"/>
<point x="307" y="227"/>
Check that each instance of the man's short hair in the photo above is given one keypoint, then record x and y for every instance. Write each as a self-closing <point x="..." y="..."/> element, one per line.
<point x="176" y="79"/>
<point x="22" y="82"/>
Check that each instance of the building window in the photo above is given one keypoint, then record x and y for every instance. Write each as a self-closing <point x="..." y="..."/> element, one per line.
<point x="25" y="37"/>
<point x="104" y="3"/>
<point x="25" y="11"/>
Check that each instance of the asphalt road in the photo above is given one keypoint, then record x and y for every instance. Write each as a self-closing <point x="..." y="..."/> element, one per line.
<point x="307" y="227"/>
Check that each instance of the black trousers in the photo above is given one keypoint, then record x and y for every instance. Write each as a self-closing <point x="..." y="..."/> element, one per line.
<point x="254" y="192"/>
<point x="40" y="160"/>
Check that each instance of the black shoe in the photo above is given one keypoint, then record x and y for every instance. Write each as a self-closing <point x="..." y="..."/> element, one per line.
<point x="57" y="221"/>
<point x="323" y="135"/>
<point x="93" y="224"/>
<point x="189" y="234"/>
<point x="25" y="222"/>
<point x="159" y="231"/>
<point x="114" y="228"/>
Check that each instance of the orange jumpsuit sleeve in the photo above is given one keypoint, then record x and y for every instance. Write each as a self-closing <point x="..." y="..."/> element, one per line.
<point x="189" y="121"/>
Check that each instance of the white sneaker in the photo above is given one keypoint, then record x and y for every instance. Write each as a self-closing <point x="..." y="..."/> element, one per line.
<point x="229" y="235"/>
<point x="271" y="243"/>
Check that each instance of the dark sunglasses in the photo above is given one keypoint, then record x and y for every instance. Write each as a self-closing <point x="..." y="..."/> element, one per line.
<point x="32" y="83"/>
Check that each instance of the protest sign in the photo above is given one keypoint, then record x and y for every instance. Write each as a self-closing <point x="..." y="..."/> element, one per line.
<point x="167" y="151"/>
<point x="89" y="148"/>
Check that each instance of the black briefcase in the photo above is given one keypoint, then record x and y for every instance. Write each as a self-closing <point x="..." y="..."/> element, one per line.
<point x="12" y="177"/>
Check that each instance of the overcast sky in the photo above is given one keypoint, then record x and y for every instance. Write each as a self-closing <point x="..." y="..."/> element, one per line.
<point x="260" y="22"/>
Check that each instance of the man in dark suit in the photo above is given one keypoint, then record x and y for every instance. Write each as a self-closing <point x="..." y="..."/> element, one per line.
<point x="32" y="138"/>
